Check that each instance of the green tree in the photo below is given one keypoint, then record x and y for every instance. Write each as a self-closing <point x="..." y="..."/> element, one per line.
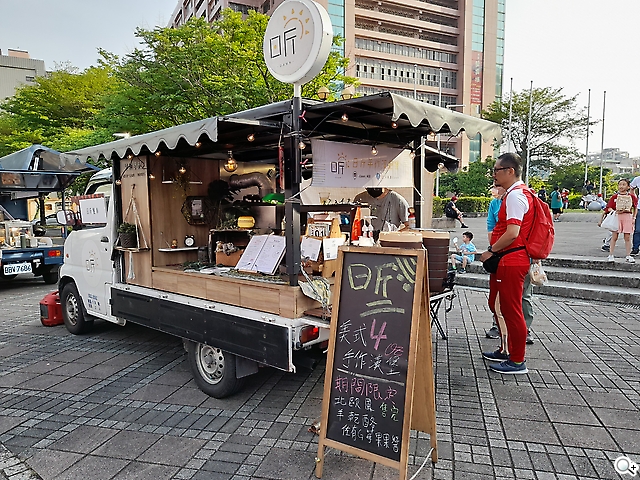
<point x="556" y="121"/>
<point x="200" y="70"/>
<point x="570" y="175"/>
<point x="57" y="111"/>
<point x="474" y="182"/>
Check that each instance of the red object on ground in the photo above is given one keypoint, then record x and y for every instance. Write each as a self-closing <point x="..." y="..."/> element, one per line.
<point x="51" y="310"/>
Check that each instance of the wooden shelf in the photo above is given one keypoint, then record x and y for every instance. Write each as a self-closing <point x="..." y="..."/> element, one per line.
<point x="173" y="181"/>
<point x="123" y="249"/>
<point x="178" y="249"/>
<point x="334" y="207"/>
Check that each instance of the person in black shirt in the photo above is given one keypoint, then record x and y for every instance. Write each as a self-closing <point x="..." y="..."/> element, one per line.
<point x="451" y="211"/>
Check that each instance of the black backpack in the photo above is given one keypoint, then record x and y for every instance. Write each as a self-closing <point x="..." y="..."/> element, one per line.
<point x="449" y="211"/>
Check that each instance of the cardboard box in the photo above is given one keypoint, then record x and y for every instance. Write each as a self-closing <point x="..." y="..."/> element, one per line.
<point x="228" y="260"/>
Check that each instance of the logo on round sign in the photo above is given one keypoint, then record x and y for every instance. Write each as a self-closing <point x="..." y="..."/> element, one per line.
<point x="297" y="41"/>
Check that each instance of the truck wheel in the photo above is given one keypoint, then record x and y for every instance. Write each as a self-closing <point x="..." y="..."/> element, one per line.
<point x="51" y="276"/>
<point x="213" y="370"/>
<point x="73" y="311"/>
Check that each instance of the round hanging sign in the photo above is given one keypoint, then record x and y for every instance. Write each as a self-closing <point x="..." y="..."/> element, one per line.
<point x="297" y="41"/>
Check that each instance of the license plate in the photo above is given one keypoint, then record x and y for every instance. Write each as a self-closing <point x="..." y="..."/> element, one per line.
<point x="16" y="268"/>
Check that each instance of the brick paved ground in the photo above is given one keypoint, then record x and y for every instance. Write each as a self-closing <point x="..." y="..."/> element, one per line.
<point x="120" y="403"/>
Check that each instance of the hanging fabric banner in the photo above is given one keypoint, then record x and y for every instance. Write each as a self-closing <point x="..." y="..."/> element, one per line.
<point x="349" y="165"/>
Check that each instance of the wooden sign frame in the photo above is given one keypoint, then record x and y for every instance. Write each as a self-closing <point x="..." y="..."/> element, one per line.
<point x="419" y="407"/>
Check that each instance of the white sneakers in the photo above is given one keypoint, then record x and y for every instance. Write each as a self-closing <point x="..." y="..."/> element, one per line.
<point x="629" y="259"/>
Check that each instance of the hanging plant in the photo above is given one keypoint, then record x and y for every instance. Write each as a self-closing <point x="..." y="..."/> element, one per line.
<point x="182" y="179"/>
<point x="221" y="197"/>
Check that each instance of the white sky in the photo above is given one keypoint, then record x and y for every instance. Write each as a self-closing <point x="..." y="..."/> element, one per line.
<point x="574" y="44"/>
<point x="580" y="45"/>
<point x="73" y="30"/>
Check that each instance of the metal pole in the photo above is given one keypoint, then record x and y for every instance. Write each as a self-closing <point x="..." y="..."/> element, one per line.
<point x="529" y="133"/>
<point x="415" y="81"/>
<point x="292" y="189"/>
<point x="586" y="154"/>
<point x="604" y="102"/>
<point x="510" y="116"/>
<point x="426" y="196"/>
<point x="438" y="135"/>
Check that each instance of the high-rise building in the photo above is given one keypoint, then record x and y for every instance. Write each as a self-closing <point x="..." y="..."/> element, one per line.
<point x="444" y="52"/>
<point x="17" y="68"/>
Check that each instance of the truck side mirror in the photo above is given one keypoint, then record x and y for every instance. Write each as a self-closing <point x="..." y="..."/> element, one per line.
<point x="66" y="217"/>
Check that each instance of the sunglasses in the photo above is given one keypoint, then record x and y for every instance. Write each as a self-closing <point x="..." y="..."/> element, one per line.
<point x="503" y="168"/>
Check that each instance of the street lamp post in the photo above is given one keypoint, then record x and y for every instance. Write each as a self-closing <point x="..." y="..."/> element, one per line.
<point x="452" y="107"/>
<point x="529" y="134"/>
<point x="510" y="116"/>
<point x="586" y="154"/>
<point x="604" y="102"/>
<point x="438" y="135"/>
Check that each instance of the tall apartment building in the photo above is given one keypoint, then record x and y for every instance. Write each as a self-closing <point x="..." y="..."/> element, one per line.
<point x="17" y="68"/>
<point x="447" y="52"/>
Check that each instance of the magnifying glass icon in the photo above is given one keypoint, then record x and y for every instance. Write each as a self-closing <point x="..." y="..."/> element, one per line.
<point x="624" y="465"/>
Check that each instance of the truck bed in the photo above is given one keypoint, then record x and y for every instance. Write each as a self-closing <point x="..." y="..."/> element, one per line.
<point x="283" y="300"/>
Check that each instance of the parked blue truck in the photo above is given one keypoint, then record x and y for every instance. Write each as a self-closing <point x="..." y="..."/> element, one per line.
<point x="26" y="174"/>
<point x="22" y="252"/>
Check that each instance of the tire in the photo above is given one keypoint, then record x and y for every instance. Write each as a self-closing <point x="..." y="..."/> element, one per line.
<point x="75" y="318"/>
<point x="7" y="277"/>
<point x="213" y="370"/>
<point x="50" y="276"/>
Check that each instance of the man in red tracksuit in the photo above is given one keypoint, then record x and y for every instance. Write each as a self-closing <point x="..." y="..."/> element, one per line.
<point x="515" y="219"/>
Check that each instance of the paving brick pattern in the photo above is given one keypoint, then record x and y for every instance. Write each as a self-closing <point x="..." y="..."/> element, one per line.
<point x="120" y="403"/>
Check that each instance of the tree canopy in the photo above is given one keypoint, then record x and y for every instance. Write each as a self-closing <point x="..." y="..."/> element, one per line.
<point x="474" y="182"/>
<point x="178" y="75"/>
<point x="556" y="121"/>
<point x="58" y="111"/>
<point x="198" y="71"/>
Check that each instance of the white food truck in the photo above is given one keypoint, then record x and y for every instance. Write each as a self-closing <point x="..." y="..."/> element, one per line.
<point x="187" y="188"/>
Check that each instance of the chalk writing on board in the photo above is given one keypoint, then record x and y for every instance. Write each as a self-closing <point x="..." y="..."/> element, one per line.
<point x="368" y="391"/>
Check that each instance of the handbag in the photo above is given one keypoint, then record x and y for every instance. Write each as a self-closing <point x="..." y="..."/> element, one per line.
<point x="537" y="275"/>
<point x="610" y="222"/>
<point x="491" y="263"/>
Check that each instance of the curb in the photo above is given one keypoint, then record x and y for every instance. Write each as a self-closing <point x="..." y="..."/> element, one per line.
<point x="12" y="468"/>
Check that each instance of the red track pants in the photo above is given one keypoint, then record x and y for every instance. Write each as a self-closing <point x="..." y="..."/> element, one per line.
<point x="505" y="301"/>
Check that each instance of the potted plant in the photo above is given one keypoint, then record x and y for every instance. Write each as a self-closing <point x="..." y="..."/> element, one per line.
<point x="128" y="235"/>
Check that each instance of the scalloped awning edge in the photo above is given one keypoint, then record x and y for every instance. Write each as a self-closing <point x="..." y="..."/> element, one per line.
<point x="416" y="112"/>
<point x="189" y="132"/>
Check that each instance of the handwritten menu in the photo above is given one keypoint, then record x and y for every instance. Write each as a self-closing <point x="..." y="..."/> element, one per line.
<point x="369" y="373"/>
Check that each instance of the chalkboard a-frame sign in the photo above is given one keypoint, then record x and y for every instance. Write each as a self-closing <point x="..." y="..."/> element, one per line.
<point x="379" y="379"/>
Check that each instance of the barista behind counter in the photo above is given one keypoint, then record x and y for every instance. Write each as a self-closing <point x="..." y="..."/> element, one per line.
<point x="389" y="209"/>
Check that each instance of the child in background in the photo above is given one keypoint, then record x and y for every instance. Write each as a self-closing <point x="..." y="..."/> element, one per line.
<point x="565" y="198"/>
<point x="466" y="252"/>
<point x="626" y="205"/>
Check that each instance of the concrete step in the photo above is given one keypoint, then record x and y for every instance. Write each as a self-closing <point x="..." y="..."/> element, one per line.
<point x="614" y="278"/>
<point x="559" y="288"/>
<point x="600" y="263"/>
<point x="580" y="262"/>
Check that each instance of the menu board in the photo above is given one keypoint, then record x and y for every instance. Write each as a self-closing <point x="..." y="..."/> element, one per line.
<point x="263" y="254"/>
<point x="371" y="355"/>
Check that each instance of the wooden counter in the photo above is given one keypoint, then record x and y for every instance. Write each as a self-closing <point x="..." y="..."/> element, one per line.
<point x="283" y="300"/>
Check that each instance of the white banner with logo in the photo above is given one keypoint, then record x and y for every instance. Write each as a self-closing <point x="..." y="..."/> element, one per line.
<point x="349" y="165"/>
